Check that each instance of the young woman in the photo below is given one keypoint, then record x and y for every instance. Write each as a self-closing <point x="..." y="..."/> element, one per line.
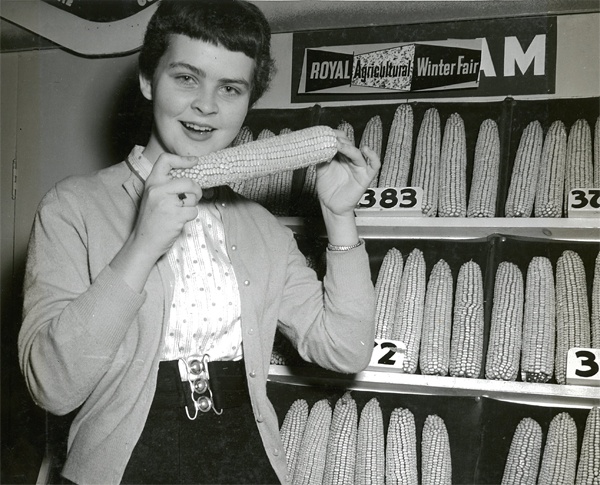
<point x="151" y="305"/>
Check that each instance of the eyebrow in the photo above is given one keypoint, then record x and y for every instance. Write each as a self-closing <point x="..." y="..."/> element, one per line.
<point x="201" y="73"/>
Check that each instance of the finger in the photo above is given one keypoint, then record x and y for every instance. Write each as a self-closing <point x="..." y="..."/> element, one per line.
<point x="167" y="161"/>
<point x="183" y="186"/>
<point x="187" y="199"/>
<point x="371" y="158"/>
<point x="352" y="154"/>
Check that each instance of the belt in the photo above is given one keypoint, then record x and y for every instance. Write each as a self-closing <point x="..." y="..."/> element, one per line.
<point x="201" y="386"/>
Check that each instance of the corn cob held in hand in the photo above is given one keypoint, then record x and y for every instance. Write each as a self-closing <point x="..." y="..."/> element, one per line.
<point x="452" y="200"/>
<point x="401" y="449"/>
<point x="426" y="165"/>
<point x="341" y="447"/>
<point x="551" y="183"/>
<point x="387" y="288"/>
<point x="370" y="449"/>
<point x="279" y="190"/>
<point x="396" y="161"/>
<point x="559" y="461"/>
<point x="436" y="463"/>
<point x="292" y="430"/>
<point x="588" y="469"/>
<point x="262" y="157"/>
<point x="524" y="454"/>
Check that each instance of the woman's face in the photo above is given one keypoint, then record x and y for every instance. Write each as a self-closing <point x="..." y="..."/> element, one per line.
<point x="200" y="94"/>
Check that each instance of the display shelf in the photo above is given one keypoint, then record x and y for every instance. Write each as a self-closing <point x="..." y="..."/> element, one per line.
<point x="530" y="393"/>
<point x="565" y="229"/>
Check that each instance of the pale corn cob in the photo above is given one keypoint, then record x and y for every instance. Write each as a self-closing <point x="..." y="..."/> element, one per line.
<point x="597" y="153"/>
<point x="348" y="129"/>
<point x="551" y="183"/>
<point x="595" y="310"/>
<point x="559" y="461"/>
<point x="437" y="321"/>
<point x="522" y="188"/>
<point x="426" y="164"/>
<point x="387" y="288"/>
<point x="486" y="167"/>
<point x="466" y="344"/>
<point x="523" y="458"/>
<point x="588" y="469"/>
<point x="370" y="448"/>
<point x="310" y="463"/>
<point x="292" y="430"/>
<point x="572" y="310"/>
<point x="436" y="463"/>
<point x="506" y="329"/>
<point x="373" y="138"/>
<point x="396" y="161"/>
<point x="452" y="201"/>
<point x="539" y="322"/>
<point x="279" y="192"/>
<point x="579" y="171"/>
<point x="262" y="157"/>
<point x="408" y="319"/>
<point x="401" y="449"/>
<point x="341" y="446"/>
<point x="257" y="188"/>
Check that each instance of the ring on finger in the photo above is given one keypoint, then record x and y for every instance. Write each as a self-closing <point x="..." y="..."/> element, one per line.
<point x="182" y="198"/>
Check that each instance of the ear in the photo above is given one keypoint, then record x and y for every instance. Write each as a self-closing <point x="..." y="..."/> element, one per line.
<point x="145" y="87"/>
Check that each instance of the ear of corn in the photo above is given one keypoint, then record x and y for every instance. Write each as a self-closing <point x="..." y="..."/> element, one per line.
<point x="486" y="167"/>
<point x="244" y="136"/>
<point x="409" y="310"/>
<point x="522" y="188"/>
<point x="437" y="321"/>
<point x="572" y="311"/>
<point x="373" y="138"/>
<point x="279" y="189"/>
<point x="551" y="183"/>
<point x="292" y="431"/>
<point x="426" y="164"/>
<point x="436" y="463"/>
<point x="588" y="469"/>
<point x="453" y="169"/>
<point x="524" y="454"/>
<point x="401" y="449"/>
<point x="504" y="349"/>
<point x="387" y="288"/>
<point x="396" y="161"/>
<point x="559" y="461"/>
<point x="263" y="157"/>
<point x="348" y="129"/>
<point x="341" y="446"/>
<point x="310" y="464"/>
<point x="579" y="170"/>
<point x="466" y="344"/>
<point x="597" y="153"/>
<point x="370" y="450"/>
<point x="539" y="322"/>
<point x="595" y="310"/>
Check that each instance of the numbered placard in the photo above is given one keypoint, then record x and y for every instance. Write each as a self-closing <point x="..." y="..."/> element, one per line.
<point x="584" y="203"/>
<point x="583" y="367"/>
<point x="387" y="355"/>
<point x="391" y="201"/>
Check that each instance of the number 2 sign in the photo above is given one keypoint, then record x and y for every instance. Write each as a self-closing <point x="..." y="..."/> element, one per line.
<point x="388" y="355"/>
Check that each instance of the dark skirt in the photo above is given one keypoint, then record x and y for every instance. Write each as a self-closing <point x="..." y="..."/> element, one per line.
<point x="212" y="449"/>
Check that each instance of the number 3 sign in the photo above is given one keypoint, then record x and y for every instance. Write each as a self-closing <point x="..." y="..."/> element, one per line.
<point x="583" y="367"/>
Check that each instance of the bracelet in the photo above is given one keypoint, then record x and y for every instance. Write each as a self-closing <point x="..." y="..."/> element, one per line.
<point x="333" y="247"/>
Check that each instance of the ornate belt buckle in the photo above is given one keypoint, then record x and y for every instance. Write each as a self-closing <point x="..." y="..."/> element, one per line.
<point x="196" y="368"/>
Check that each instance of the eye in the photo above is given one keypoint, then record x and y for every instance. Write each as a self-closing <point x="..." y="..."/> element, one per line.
<point x="185" y="79"/>
<point x="231" y="90"/>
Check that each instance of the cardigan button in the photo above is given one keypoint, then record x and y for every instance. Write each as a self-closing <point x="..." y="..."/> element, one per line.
<point x="250" y="331"/>
<point x="259" y="418"/>
<point x="233" y="247"/>
<point x="247" y="283"/>
<point x="276" y="451"/>
<point x="252" y="374"/>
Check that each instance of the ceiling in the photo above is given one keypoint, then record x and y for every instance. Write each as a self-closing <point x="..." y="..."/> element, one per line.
<point x="302" y="15"/>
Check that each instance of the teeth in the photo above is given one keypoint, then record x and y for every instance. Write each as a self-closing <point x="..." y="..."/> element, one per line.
<point x="195" y="127"/>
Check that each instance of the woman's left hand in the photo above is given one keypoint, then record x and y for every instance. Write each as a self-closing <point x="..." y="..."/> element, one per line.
<point x="343" y="181"/>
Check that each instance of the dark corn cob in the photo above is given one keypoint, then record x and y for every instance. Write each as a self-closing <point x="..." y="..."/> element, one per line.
<point x="401" y="449"/>
<point x="579" y="172"/>
<point x="396" y="161"/>
<point x="426" y="164"/>
<point x="341" y="447"/>
<point x="559" y="461"/>
<point x="292" y="431"/>
<point x="370" y="450"/>
<point x="452" y="200"/>
<point x="263" y="157"/>
<point x="409" y="311"/>
<point x="595" y="311"/>
<point x="588" y="469"/>
<point x="551" y="183"/>
<point x="436" y="463"/>
<point x="524" y="455"/>
<point x="310" y="464"/>
<point x="504" y="348"/>
<point x="522" y="188"/>
<point x="437" y="321"/>
<point x="373" y="138"/>
<point x="572" y="311"/>
<point x="387" y="288"/>
<point x="466" y="344"/>
<point x="539" y="322"/>
<point x="486" y="166"/>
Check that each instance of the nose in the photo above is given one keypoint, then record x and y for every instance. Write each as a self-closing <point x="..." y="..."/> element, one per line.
<point x="205" y="102"/>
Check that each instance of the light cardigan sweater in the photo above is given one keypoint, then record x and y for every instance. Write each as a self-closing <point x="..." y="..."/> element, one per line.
<point x="88" y="341"/>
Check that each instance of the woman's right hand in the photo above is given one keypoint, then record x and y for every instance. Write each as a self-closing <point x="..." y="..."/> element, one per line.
<point x="162" y="215"/>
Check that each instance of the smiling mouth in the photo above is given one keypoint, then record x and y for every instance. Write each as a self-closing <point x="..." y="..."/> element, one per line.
<point x="197" y="128"/>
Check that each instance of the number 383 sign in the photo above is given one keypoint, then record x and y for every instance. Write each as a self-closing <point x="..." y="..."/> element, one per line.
<point x="398" y="201"/>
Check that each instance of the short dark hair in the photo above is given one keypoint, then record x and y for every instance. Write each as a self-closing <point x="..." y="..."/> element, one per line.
<point x="237" y="25"/>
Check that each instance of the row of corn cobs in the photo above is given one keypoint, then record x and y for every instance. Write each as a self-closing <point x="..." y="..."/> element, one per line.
<point x="534" y="321"/>
<point x="336" y="447"/>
